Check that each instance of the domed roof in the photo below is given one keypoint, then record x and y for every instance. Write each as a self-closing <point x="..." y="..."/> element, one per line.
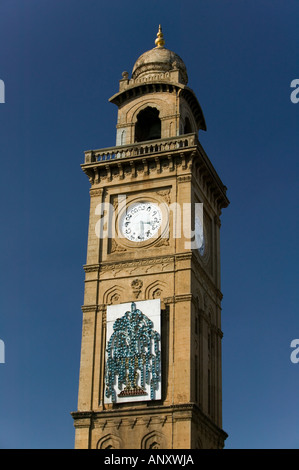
<point x="159" y="59"/>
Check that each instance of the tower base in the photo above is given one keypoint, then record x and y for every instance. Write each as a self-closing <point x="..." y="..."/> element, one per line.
<point x="157" y="427"/>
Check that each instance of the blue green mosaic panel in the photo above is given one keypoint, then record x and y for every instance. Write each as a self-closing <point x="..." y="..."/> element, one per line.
<point x="133" y="357"/>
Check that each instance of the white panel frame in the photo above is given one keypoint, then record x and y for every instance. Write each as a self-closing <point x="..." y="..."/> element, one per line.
<point x="150" y="308"/>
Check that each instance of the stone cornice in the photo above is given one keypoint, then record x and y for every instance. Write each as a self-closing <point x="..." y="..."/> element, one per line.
<point x="135" y="88"/>
<point x="182" y="155"/>
<point x="91" y="268"/>
<point x="122" y="416"/>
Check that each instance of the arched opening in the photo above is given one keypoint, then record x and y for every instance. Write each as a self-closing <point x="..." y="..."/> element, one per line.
<point x="187" y="126"/>
<point x="148" y="125"/>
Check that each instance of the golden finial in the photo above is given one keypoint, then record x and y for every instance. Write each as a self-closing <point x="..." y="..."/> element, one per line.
<point x="160" y="41"/>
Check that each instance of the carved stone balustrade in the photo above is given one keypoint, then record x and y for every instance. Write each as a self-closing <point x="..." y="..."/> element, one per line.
<point x="141" y="148"/>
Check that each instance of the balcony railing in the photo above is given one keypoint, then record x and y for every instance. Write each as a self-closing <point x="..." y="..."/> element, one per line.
<point x="141" y="148"/>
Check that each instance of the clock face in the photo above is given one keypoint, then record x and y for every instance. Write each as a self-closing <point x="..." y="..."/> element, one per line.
<point x="199" y="236"/>
<point x="141" y="222"/>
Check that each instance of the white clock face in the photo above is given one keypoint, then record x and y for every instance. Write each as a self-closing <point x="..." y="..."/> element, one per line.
<point x="141" y="222"/>
<point x="199" y="236"/>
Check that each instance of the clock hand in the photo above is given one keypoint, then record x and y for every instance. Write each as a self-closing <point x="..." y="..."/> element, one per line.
<point x="141" y="229"/>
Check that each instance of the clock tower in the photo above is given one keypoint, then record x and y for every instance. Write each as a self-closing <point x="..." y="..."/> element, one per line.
<point x="150" y="370"/>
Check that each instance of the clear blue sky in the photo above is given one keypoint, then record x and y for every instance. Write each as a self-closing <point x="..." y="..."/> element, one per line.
<point x="61" y="61"/>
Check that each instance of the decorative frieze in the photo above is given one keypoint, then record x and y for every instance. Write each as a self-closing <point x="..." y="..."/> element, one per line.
<point x="146" y="263"/>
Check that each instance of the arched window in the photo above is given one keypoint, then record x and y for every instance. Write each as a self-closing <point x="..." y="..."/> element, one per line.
<point x="187" y="126"/>
<point x="148" y="125"/>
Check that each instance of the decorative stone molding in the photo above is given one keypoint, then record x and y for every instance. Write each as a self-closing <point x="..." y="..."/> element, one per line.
<point x="113" y="295"/>
<point x="183" y="257"/>
<point x="169" y="300"/>
<point x="157" y="294"/>
<point x="162" y="242"/>
<point x="82" y="419"/>
<point x="102" y="308"/>
<point x="183" y="298"/>
<point x="165" y="194"/>
<point x="184" y="179"/>
<point x="144" y="264"/>
<point x="91" y="268"/>
<point x="115" y="247"/>
<point x="133" y="423"/>
<point x="155" y="290"/>
<point x="154" y="440"/>
<point x="109" y="441"/>
<point x="89" y="308"/>
<point x="136" y="285"/>
<point x="96" y="192"/>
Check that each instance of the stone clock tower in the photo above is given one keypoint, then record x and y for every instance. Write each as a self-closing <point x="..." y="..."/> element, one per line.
<point x="150" y="372"/>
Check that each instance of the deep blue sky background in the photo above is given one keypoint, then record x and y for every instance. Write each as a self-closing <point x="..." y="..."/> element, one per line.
<point x="61" y="61"/>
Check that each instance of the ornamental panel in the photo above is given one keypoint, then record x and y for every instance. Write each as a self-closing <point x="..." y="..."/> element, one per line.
<point x="133" y="352"/>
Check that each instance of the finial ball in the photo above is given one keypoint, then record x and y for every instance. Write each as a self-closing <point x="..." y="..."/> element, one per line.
<point x="160" y="41"/>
